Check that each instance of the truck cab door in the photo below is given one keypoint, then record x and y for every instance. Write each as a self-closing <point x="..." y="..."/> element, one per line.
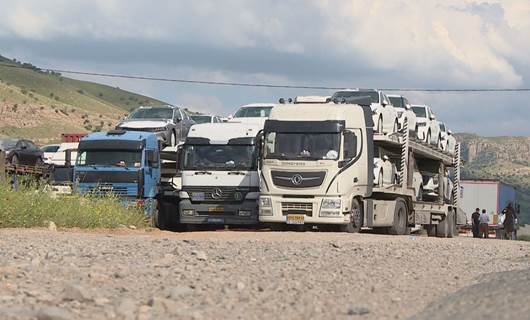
<point x="152" y="173"/>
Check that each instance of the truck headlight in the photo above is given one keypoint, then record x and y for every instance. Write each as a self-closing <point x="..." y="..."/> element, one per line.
<point x="265" y="202"/>
<point x="333" y="204"/>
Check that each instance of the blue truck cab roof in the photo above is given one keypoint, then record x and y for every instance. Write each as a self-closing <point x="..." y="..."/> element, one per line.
<point x="143" y="139"/>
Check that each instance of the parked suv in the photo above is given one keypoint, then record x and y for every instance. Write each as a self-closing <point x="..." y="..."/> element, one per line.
<point x="253" y="113"/>
<point x="428" y="127"/>
<point x="22" y="152"/>
<point x="383" y="113"/>
<point x="170" y="124"/>
<point x="404" y="112"/>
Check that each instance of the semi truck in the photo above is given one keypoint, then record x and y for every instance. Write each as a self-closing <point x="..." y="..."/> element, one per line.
<point x="317" y="169"/>
<point x="220" y="182"/>
<point x="125" y="164"/>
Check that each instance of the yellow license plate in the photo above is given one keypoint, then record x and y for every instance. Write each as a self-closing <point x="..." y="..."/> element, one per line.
<point x="295" y="219"/>
<point x="216" y="209"/>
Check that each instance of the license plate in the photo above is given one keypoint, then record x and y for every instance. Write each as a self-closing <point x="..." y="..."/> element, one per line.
<point x="295" y="219"/>
<point x="216" y="209"/>
<point x="197" y="196"/>
<point x="216" y="220"/>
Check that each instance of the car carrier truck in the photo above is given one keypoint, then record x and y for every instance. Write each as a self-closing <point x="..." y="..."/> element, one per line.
<point x="220" y="182"/>
<point x="317" y="170"/>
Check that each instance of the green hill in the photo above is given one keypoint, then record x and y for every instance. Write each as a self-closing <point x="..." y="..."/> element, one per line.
<point x="41" y="105"/>
<point x="503" y="158"/>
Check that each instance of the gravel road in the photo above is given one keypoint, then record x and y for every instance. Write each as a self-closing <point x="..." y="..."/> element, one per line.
<point x="132" y="274"/>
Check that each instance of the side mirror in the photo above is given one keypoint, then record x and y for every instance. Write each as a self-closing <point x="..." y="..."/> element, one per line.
<point x="230" y="116"/>
<point x="152" y="159"/>
<point x="180" y="158"/>
<point x="432" y="117"/>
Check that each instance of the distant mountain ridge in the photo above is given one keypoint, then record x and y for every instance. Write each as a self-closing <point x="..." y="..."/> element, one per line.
<point x="41" y="105"/>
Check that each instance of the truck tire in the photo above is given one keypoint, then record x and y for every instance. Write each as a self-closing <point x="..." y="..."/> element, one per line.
<point x="160" y="216"/>
<point x="431" y="230"/>
<point x="446" y="227"/>
<point x="356" y="218"/>
<point x="380" y="125"/>
<point x="428" y="137"/>
<point x="400" y="224"/>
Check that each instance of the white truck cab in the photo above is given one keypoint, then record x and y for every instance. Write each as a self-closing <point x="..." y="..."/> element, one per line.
<point x="220" y="182"/>
<point x="312" y="166"/>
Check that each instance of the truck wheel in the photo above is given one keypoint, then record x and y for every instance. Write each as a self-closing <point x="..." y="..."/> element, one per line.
<point x="396" y="126"/>
<point x="14" y="160"/>
<point x="173" y="141"/>
<point x="445" y="229"/>
<point x="431" y="230"/>
<point x="380" y="179"/>
<point x="428" y="138"/>
<point x="380" y="125"/>
<point x="356" y="218"/>
<point x="159" y="216"/>
<point x="400" y="225"/>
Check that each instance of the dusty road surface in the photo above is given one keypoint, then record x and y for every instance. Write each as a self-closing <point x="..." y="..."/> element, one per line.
<point x="245" y="275"/>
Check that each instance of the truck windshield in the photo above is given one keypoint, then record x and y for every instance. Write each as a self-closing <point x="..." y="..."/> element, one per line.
<point x="152" y="113"/>
<point x="117" y="158"/>
<point x="302" y="146"/>
<point x="220" y="157"/>
<point x="420" y="112"/>
<point x="396" y="102"/>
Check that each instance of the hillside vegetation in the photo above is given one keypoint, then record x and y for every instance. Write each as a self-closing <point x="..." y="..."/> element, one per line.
<point x="40" y="105"/>
<point x="503" y="158"/>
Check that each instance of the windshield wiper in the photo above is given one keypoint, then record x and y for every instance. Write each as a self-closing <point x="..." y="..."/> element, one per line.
<point x="203" y="172"/>
<point x="237" y="173"/>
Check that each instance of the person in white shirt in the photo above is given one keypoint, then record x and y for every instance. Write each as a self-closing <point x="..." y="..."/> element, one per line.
<point x="484" y="220"/>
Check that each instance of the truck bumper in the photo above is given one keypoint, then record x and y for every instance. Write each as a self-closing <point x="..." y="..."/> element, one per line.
<point x="245" y="213"/>
<point x="283" y="209"/>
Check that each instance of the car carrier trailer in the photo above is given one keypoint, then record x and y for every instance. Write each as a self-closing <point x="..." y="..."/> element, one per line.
<point x="317" y="170"/>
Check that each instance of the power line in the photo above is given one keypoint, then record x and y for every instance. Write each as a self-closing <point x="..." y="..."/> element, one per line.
<point x="258" y="85"/>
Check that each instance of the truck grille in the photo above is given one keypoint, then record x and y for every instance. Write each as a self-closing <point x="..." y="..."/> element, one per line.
<point x="297" y="208"/>
<point x="217" y="193"/>
<point x="106" y="190"/>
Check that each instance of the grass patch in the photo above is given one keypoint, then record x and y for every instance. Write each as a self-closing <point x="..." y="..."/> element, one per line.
<point x="30" y="207"/>
<point x="524" y="237"/>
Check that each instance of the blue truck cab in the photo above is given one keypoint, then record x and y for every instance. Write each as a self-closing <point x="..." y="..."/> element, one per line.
<point x="125" y="164"/>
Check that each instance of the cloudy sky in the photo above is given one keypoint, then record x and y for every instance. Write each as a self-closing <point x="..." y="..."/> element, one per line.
<point x="365" y="43"/>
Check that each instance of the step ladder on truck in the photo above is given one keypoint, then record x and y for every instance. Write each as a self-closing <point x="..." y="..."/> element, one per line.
<point x="335" y="189"/>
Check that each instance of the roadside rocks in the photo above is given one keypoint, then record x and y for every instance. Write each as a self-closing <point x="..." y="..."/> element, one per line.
<point x="250" y="275"/>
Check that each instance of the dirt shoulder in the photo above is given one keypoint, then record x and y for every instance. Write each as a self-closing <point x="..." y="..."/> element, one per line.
<point x="149" y="274"/>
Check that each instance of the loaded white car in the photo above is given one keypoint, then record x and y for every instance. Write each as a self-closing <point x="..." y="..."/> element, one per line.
<point x="404" y="112"/>
<point x="428" y="126"/>
<point x="205" y="118"/>
<point x="252" y="113"/>
<point x="385" y="172"/>
<point x="49" y="151"/>
<point x="383" y="113"/>
<point x="170" y="124"/>
<point x="431" y="184"/>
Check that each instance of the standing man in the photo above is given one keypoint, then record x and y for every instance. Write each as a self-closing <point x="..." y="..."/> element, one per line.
<point x="475" y="223"/>
<point x="509" y="222"/>
<point x="484" y="220"/>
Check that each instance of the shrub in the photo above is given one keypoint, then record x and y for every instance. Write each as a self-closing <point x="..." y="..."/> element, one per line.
<point x="34" y="207"/>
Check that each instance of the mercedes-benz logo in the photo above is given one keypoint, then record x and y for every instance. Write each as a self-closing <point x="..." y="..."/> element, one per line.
<point x="217" y="193"/>
<point x="296" y="179"/>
